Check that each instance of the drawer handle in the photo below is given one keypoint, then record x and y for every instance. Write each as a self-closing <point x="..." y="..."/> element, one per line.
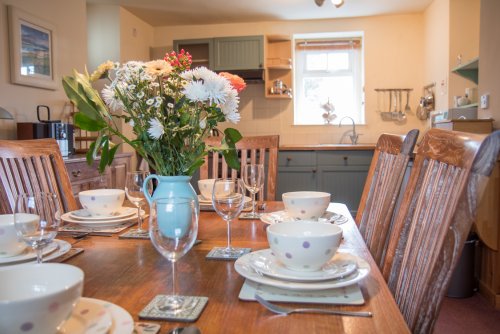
<point x="288" y="159"/>
<point x="345" y="158"/>
<point x="76" y="173"/>
<point x="314" y="170"/>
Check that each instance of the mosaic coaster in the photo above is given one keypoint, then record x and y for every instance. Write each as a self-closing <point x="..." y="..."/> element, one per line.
<point x="217" y="253"/>
<point x="133" y="234"/>
<point x="248" y="216"/>
<point x="153" y="312"/>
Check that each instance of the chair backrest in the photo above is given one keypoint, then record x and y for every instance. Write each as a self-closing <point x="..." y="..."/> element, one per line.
<point x="251" y="150"/>
<point x="434" y="219"/>
<point x="32" y="166"/>
<point x="382" y="189"/>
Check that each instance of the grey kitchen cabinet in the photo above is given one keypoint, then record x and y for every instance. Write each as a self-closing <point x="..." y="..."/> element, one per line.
<point x="238" y="53"/>
<point x="201" y="50"/>
<point x="338" y="172"/>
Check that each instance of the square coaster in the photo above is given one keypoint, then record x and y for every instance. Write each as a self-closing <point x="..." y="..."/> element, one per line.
<point x="217" y="254"/>
<point x="133" y="234"/>
<point x="248" y="216"/>
<point x="152" y="312"/>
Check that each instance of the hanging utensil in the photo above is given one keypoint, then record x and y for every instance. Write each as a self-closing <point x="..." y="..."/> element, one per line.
<point x="407" y="108"/>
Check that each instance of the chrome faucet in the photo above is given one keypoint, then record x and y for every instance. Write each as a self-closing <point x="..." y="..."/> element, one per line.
<point x="354" y="136"/>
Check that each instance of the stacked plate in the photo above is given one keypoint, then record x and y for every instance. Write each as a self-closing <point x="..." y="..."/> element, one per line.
<point x="206" y="203"/>
<point x="85" y="218"/>
<point x="281" y="216"/>
<point x="52" y="251"/>
<point x="94" y="316"/>
<point x="263" y="267"/>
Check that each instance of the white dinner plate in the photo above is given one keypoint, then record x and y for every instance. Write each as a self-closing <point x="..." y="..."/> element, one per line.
<point x="88" y="317"/>
<point x="100" y="223"/>
<point x="281" y="216"/>
<point x="84" y="214"/>
<point x="266" y="263"/>
<point x="28" y="254"/>
<point x="245" y="269"/>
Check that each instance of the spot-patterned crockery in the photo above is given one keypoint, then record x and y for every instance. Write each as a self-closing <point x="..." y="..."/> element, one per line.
<point x="53" y="307"/>
<point x="288" y="255"/>
<point x="276" y="241"/>
<point x="27" y="326"/>
<point x="306" y="244"/>
<point x="328" y="251"/>
<point x="2" y="231"/>
<point x="92" y="198"/>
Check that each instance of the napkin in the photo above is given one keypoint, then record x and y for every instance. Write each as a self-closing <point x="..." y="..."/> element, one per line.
<point x="348" y="295"/>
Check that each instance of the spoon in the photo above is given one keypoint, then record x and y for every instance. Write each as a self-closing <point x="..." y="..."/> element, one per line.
<point x="407" y="108"/>
<point x="185" y="330"/>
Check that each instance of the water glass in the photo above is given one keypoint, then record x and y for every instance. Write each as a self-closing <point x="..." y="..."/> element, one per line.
<point x="37" y="218"/>
<point x="134" y="190"/>
<point x="173" y="227"/>
<point x="253" y="179"/>
<point x="228" y="199"/>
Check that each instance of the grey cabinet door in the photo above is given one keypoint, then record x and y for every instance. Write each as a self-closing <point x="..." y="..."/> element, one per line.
<point x="238" y="53"/>
<point x="345" y="183"/>
<point x="201" y="50"/>
<point x="295" y="179"/>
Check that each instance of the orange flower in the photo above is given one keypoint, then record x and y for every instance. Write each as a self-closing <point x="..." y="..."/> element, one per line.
<point x="237" y="82"/>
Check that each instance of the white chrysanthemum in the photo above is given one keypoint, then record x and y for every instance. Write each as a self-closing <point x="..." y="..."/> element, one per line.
<point x="230" y="107"/>
<point x="195" y="91"/>
<point x="199" y="73"/>
<point x="158" y="68"/>
<point x="156" y="129"/>
<point x="215" y="86"/>
<point x="203" y="123"/>
<point x="131" y="122"/>
<point x="110" y="98"/>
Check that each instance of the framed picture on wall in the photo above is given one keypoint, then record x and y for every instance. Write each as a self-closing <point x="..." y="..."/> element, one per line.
<point x="32" y="50"/>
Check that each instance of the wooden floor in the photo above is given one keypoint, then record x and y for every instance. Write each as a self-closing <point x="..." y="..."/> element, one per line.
<point x="467" y="316"/>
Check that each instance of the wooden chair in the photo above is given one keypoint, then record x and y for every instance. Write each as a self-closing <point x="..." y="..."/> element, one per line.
<point x="252" y="150"/>
<point x="438" y="208"/>
<point x="31" y="166"/>
<point x="382" y="189"/>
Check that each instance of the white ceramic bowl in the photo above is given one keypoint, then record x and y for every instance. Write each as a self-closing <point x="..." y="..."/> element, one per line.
<point x="38" y="298"/>
<point x="206" y="187"/>
<point x="10" y="243"/>
<point x="306" y="205"/>
<point x="304" y="245"/>
<point x="102" y="202"/>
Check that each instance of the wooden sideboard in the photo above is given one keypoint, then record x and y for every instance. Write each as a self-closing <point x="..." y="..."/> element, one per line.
<point x="83" y="176"/>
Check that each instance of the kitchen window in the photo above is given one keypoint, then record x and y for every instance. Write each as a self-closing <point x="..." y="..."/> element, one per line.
<point x="328" y="73"/>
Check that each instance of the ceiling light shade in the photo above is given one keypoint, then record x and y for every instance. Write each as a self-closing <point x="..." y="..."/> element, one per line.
<point x="337" y="3"/>
<point x="4" y="114"/>
<point x="319" y="2"/>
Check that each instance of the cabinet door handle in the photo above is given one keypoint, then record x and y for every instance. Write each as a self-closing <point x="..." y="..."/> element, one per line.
<point x="76" y="173"/>
<point x="288" y="159"/>
<point x="314" y="170"/>
<point x="345" y="158"/>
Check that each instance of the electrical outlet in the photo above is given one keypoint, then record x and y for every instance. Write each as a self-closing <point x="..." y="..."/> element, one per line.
<point x="485" y="101"/>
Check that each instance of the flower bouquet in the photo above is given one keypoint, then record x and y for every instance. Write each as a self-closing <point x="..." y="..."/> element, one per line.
<point x="170" y="107"/>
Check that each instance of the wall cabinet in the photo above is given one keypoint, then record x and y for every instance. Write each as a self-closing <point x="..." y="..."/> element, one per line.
<point x="225" y="53"/>
<point x="84" y="177"/>
<point x="340" y="173"/>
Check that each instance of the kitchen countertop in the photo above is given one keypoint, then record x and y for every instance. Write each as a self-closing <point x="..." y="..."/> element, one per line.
<point x="328" y="147"/>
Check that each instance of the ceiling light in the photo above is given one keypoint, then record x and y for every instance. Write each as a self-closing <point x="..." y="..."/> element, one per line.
<point x="336" y="3"/>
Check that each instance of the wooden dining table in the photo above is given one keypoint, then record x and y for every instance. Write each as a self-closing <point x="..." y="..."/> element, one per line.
<point x="130" y="273"/>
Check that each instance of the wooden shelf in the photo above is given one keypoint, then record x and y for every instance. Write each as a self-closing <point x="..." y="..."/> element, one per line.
<point x="468" y="70"/>
<point x="280" y="67"/>
<point x="279" y="96"/>
<point x="278" y="64"/>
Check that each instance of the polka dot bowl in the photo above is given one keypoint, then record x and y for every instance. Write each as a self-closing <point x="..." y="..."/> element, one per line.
<point x="38" y="298"/>
<point x="102" y="202"/>
<point x="304" y="245"/>
<point x="306" y="205"/>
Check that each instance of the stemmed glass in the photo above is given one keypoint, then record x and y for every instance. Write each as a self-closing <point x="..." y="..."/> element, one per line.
<point x="253" y="179"/>
<point x="228" y="198"/>
<point x="133" y="189"/>
<point x="36" y="219"/>
<point x="173" y="227"/>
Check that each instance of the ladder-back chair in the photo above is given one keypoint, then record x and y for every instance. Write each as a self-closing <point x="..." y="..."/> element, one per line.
<point x="251" y="150"/>
<point x="431" y="226"/>
<point x="382" y="189"/>
<point x="33" y="166"/>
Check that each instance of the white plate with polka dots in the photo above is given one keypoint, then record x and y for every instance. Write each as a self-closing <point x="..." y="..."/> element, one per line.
<point x="264" y="261"/>
<point x="282" y="216"/>
<point x="244" y="267"/>
<point x="84" y="214"/>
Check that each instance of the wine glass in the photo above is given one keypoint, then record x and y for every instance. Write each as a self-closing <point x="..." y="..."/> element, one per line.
<point x="173" y="227"/>
<point x="253" y="179"/>
<point x="228" y="198"/>
<point x="133" y="189"/>
<point x="36" y="219"/>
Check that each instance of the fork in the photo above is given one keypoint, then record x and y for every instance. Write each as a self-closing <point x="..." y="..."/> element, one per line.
<point x="286" y="310"/>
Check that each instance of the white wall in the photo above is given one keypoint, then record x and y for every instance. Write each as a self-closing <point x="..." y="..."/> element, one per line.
<point x="103" y="34"/>
<point x="69" y="19"/>
<point x="394" y="50"/>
